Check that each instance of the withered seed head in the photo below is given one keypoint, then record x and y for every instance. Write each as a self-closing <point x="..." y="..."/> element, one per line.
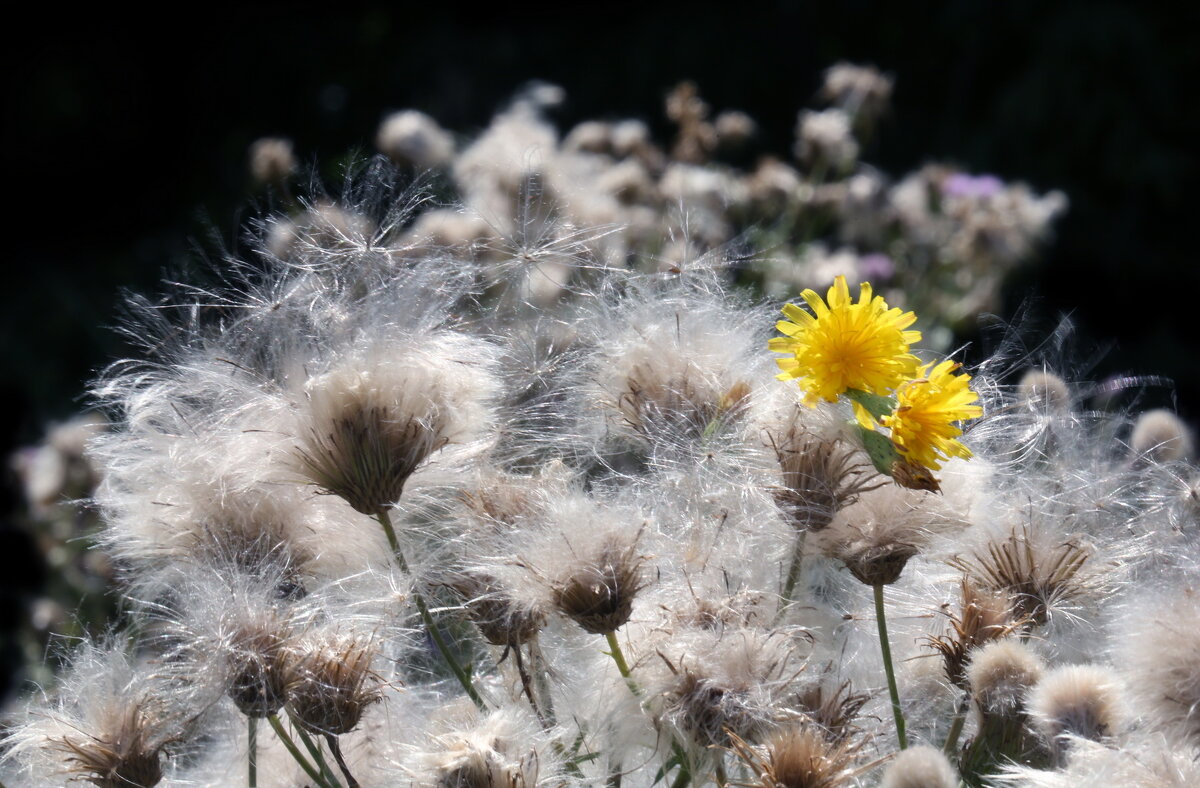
<point x="333" y="684"/>
<point x="500" y="620"/>
<point x="799" y="757"/>
<point x="1037" y="579"/>
<point x="364" y="455"/>
<point x="598" y="595"/>
<point x="820" y="476"/>
<point x="261" y="670"/>
<point x="984" y="617"/>
<point x="124" y="755"/>
<point x="832" y="709"/>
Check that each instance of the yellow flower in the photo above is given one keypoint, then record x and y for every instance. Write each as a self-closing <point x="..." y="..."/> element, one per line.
<point x="923" y="426"/>
<point x="844" y="345"/>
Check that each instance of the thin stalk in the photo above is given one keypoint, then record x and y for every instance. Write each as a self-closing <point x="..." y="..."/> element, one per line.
<point x="793" y="575"/>
<point x="614" y="651"/>
<point x="541" y="680"/>
<point x="314" y="750"/>
<point x="252" y="754"/>
<point x="430" y="625"/>
<point x="336" y="749"/>
<point x="881" y="622"/>
<point x="956" y="726"/>
<point x="685" y="773"/>
<point x="527" y="685"/>
<point x="291" y="747"/>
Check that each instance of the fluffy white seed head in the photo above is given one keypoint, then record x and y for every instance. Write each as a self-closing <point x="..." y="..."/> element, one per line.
<point x="414" y="139"/>
<point x="1161" y="436"/>
<point x="272" y="160"/>
<point x="1001" y="674"/>
<point x="1157" y="648"/>
<point x="369" y="422"/>
<point x="1079" y="700"/>
<point x="920" y="767"/>
<point x="1043" y="390"/>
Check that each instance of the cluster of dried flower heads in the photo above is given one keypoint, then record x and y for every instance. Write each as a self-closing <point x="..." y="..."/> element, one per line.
<point x="509" y="493"/>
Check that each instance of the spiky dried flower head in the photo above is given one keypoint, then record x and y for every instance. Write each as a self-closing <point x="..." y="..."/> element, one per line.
<point x="1000" y="675"/>
<point x="1041" y="389"/>
<point x="121" y="756"/>
<point x="260" y="666"/>
<point x="501" y="619"/>
<point x="799" y="757"/>
<point x="109" y="722"/>
<point x="983" y="617"/>
<point x="1077" y="700"/>
<point x="924" y="426"/>
<point x="844" y="345"/>
<point x="494" y="753"/>
<point x="272" y="160"/>
<point x="1041" y="574"/>
<point x="920" y="767"/>
<point x="876" y="536"/>
<point x="598" y="587"/>
<point x="834" y="709"/>
<point x="726" y="682"/>
<point x="369" y="423"/>
<point x="1158" y="647"/>
<point x="333" y="682"/>
<point x="820" y="476"/>
<point x="1161" y="436"/>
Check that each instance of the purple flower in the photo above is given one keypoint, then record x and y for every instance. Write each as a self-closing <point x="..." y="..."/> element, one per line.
<point x="961" y="184"/>
<point x="876" y="267"/>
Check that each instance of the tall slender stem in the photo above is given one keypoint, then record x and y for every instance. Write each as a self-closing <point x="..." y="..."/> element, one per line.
<point x="619" y="658"/>
<point x="314" y="750"/>
<point x="540" y="678"/>
<point x="430" y="625"/>
<point x="956" y="727"/>
<point x="881" y="622"/>
<point x="614" y="646"/>
<point x="291" y="747"/>
<point x="793" y="575"/>
<point x="336" y="749"/>
<point x="252" y="751"/>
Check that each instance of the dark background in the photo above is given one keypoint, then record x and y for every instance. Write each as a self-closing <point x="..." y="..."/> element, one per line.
<point x="125" y="143"/>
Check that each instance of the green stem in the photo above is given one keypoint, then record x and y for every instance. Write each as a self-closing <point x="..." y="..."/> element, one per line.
<point x="619" y="658"/>
<point x="430" y="625"/>
<point x="793" y="575"/>
<point x="291" y="747"/>
<point x="685" y="774"/>
<point x="314" y="750"/>
<point x="881" y="622"/>
<point x="956" y="727"/>
<point x="252" y="755"/>
<point x="541" y="680"/>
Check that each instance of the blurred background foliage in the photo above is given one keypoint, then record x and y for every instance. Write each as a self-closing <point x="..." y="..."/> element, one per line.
<point x="126" y="141"/>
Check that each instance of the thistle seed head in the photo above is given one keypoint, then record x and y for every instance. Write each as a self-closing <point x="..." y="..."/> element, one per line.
<point x="920" y="767"/>
<point x="1077" y="700"/>
<point x="598" y="592"/>
<point x="1000" y="674"/>
<point x="333" y="683"/>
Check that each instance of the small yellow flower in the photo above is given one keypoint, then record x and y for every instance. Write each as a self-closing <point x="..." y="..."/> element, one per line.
<point x="923" y="426"/>
<point x="844" y="345"/>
